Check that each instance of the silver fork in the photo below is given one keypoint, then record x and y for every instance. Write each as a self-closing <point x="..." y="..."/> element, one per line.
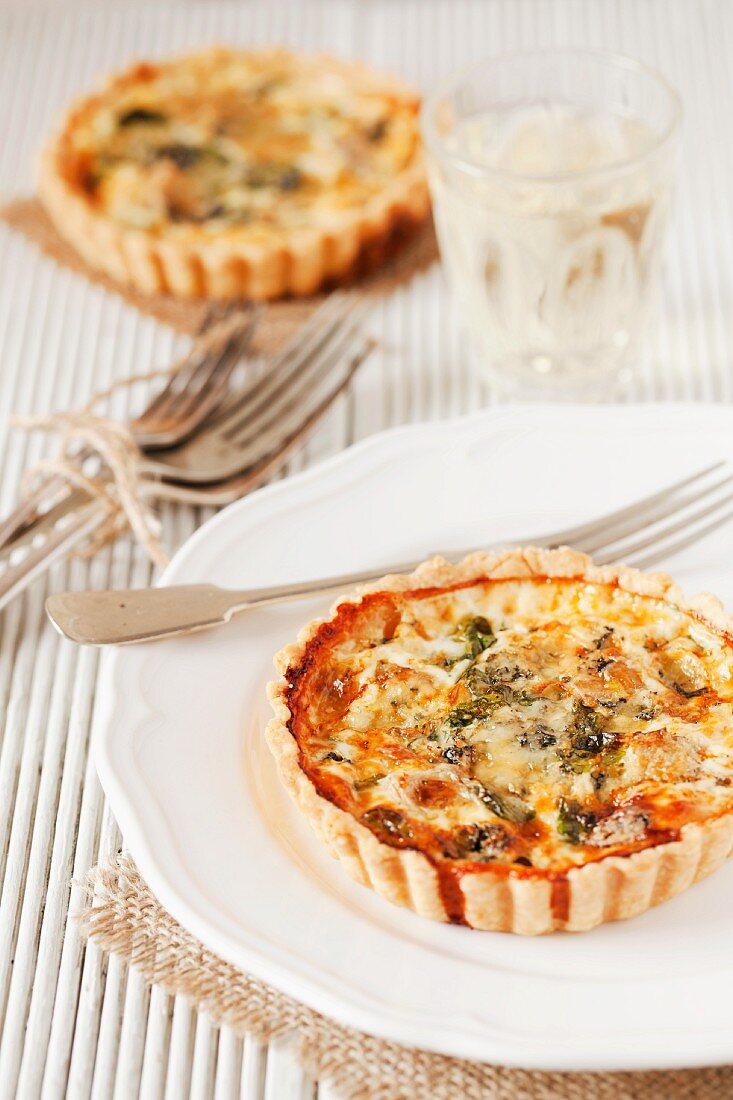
<point x="271" y="408"/>
<point x="196" y="388"/>
<point x="642" y="534"/>
<point x="327" y="359"/>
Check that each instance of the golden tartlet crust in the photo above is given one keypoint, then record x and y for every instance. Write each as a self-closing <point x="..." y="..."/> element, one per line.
<point x="352" y="241"/>
<point x="609" y="889"/>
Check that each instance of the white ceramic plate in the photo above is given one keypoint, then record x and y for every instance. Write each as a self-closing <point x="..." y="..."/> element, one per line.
<point x="181" y="754"/>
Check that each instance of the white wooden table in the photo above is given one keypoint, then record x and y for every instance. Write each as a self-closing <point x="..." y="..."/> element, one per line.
<point x="74" y="1022"/>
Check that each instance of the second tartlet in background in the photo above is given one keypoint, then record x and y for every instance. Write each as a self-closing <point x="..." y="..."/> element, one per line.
<point x="234" y="174"/>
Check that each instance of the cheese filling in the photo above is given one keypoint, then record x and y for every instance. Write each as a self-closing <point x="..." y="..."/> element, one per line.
<point x="519" y="723"/>
<point x="240" y="141"/>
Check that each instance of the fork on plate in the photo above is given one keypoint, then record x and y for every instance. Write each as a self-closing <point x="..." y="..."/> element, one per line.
<point x="642" y="534"/>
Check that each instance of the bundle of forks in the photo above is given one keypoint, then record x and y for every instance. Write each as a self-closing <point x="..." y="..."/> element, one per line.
<point x="201" y="440"/>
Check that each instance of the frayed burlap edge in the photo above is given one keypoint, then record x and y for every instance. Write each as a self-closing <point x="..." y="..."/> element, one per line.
<point x="121" y="915"/>
<point x="26" y="216"/>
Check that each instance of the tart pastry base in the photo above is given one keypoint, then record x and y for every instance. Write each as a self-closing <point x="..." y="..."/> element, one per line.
<point x="609" y="889"/>
<point x="310" y="261"/>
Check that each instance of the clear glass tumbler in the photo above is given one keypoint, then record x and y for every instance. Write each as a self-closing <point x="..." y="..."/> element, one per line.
<point x="551" y="174"/>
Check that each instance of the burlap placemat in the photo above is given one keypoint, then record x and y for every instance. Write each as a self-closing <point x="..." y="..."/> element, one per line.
<point x="122" y="915"/>
<point x="28" y="217"/>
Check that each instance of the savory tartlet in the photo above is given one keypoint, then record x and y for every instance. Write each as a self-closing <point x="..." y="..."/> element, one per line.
<point x="236" y="174"/>
<point x="523" y="742"/>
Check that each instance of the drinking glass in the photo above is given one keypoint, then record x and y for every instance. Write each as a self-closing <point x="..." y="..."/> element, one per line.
<point x="551" y="174"/>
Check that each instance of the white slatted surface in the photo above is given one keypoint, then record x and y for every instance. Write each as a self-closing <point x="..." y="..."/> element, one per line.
<point x="73" y="1022"/>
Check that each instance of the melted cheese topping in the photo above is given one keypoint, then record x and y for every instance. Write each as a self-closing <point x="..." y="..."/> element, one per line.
<point x="240" y="142"/>
<point x="526" y="724"/>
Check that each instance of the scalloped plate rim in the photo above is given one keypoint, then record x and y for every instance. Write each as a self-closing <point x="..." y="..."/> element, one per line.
<point x="657" y="1049"/>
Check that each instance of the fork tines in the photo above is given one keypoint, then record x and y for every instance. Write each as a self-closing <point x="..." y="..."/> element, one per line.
<point x="661" y="524"/>
<point x="276" y="401"/>
<point x="305" y="376"/>
<point x="201" y="380"/>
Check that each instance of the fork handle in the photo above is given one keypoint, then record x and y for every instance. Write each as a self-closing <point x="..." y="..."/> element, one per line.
<point x="123" y="616"/>
<point x="56" y="546"/>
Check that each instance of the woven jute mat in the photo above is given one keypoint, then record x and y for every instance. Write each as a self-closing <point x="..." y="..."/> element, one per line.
<point x="123" y="916"/>
<point x="28" y="217"/>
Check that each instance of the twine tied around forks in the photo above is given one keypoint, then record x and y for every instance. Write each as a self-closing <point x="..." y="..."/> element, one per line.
<point x="122" y="495"/>
<point x="123" y="491"/>
<point x="120" y="485"/>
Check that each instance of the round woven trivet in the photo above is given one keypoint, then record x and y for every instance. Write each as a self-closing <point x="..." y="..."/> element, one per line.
<point x="122" y="915"/>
